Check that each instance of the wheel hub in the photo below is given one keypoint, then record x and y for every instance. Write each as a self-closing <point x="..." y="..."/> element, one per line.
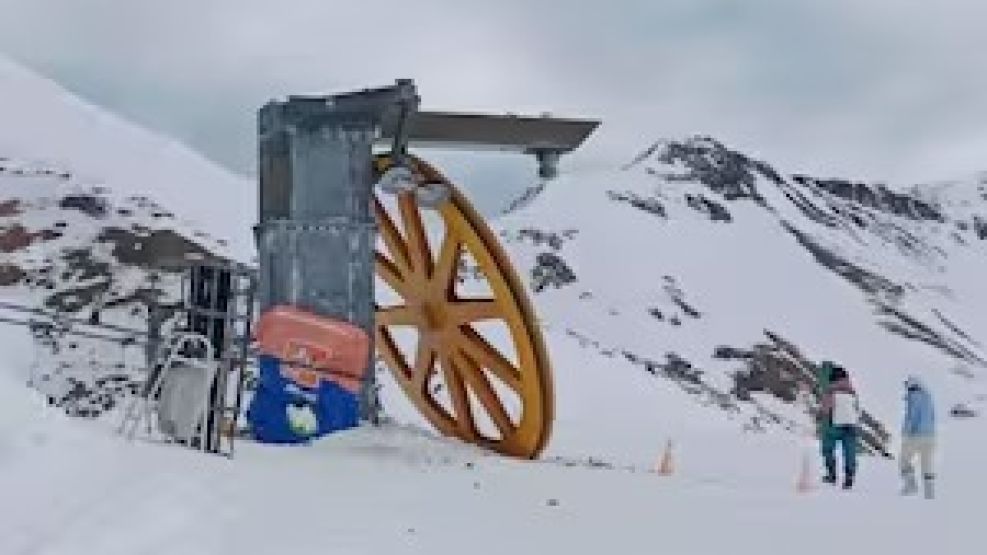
<point x="433" y="316"/>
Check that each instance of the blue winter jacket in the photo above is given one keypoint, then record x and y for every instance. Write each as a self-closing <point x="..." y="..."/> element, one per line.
<point x="920" y="415"/>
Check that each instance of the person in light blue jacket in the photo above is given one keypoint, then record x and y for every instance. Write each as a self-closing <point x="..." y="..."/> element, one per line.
<point x="918" y="438"/>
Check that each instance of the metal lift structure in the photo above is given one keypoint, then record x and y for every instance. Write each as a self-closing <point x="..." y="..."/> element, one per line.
<point x="345" y="213"/>
<point x="333" y="215"/>
<point x="354" y="228"/>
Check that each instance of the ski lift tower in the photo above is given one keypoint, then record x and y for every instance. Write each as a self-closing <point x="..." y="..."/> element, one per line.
<point x="317" y="237"/>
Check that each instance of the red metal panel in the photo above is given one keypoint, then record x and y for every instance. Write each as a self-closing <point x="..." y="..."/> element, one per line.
<point x="320" y="348"/>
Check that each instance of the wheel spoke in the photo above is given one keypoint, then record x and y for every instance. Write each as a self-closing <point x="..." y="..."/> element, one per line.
<point x="480" y="350"/>
<point x="390" y="274"/>
<point x="444" y="276"/>
<point x="424" y="365"/>
<point x="478" y="382"/>
<point x="460" y="398"/>
<point x="392" y="238"/>
<point x="396" y="316"/>
<point x="464" y="311"/>
<point x="419" y="252"/>
<point x="391" y="354"/>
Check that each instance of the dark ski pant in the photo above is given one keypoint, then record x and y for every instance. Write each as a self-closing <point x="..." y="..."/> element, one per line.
<point x="846" y="436"/>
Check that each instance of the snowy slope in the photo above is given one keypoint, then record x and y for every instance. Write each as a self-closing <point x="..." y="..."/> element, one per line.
<point x="87" y="211"/>
<point x="41" y="122"/>
<point x="694" y="248"/>
<point x="74" y="249"/>
<point x="71" y="487"/>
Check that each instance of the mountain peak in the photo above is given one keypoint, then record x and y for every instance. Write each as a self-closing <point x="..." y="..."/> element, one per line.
<point x="706" y="160"/>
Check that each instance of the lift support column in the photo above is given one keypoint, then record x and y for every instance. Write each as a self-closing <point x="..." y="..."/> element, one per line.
<point x="316" y="237"/>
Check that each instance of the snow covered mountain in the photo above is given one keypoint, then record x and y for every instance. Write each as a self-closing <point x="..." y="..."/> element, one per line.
<point x="77" y="250"/>
<point x="703" y="266"/>
<point x="43" y="124"/>
<point x="694" y="263"/>
<point x="88" y="209"/>
<point x="682" y="297"/>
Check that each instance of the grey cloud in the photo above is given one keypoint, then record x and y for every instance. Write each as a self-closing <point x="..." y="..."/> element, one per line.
<point x="881" y="89"/>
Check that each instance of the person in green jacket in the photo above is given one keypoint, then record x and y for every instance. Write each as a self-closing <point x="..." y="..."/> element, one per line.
<point x="838" y="422"/>
<point x="823" y="373"/>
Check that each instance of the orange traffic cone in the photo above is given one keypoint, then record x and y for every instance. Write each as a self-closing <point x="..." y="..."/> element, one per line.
<point x="666" y="466"/>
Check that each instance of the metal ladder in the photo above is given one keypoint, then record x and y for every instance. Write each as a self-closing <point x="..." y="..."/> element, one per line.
<point x="223" y="294"/>
<point x="217" y="304"/>
<point x="235" y="358"/>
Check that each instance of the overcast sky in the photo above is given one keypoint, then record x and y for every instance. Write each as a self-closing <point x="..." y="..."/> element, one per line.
<point x="891" y="90"/>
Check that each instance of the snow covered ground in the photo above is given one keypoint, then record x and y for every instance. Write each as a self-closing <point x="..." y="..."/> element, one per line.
<point x="72" y="487"/>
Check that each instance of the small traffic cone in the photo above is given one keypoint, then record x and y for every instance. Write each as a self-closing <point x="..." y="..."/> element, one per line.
<point x="666" y="466"/>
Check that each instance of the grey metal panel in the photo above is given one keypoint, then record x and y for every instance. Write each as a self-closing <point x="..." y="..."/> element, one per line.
<point x="371" y="105"/>
<point x="331" y="172"/>
<point x="274" y="168"/>
<point x="495" y="132"/>
<point x="323" y="266"/>
<point x="313" y="167"/>
<point x="316" y="235"/>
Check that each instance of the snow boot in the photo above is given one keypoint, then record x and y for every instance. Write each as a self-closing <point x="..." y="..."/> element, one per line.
<point x="848" y="482"/>
<point x="928" y="484"/>
<point x="830" y="477"/>
<point x="910" y="487"/>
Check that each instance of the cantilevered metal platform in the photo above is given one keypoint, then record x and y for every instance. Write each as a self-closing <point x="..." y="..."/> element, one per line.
<point x="395" y="111"/>
<point x="545" y="137"/>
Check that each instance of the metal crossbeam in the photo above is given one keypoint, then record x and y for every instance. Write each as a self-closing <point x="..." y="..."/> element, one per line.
<point x="61" y="318"/>
<point x="511" y="133"/>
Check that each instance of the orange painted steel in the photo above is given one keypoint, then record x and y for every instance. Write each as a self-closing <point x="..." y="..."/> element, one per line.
<point x="448" y="341"/>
